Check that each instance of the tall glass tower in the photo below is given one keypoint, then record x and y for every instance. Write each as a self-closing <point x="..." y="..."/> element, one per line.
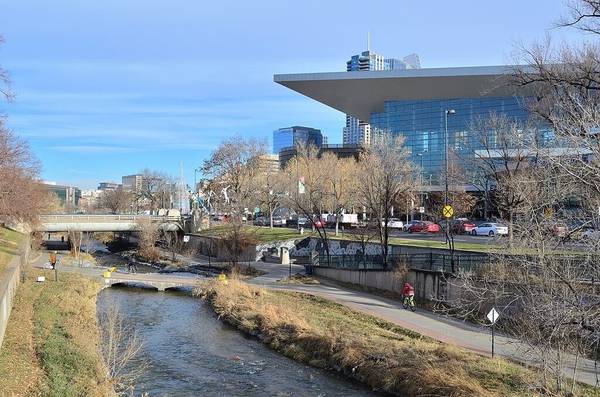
<point x="358" y="132"/>
<point x="297" y="135"/>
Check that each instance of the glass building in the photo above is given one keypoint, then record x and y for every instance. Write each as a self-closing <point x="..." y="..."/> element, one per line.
<point x="422" y="123"/>
<point x="296" y="135"/>
<point x="412" y="103"/>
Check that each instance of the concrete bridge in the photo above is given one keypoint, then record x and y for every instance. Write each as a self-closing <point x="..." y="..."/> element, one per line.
<point x="160" y="281"/>
<point x="105" y="223"/>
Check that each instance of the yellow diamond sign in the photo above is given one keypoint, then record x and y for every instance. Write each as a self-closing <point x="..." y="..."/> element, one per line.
<point x="447" y="211"/>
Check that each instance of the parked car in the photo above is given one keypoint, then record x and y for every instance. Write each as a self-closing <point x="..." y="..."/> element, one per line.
<point x="406" y="226"/>
<point x="424" y="227"/>
<point x="490" y="229"/>
<point x="394" y="223"/>
<point x="462" y="226"/>
<point x="277" y="221"/>
<point x="303" y="221"/>
<point x="261" y="221"/>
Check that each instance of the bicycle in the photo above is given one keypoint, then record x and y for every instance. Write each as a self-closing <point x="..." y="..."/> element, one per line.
<point x="409" y="302"/>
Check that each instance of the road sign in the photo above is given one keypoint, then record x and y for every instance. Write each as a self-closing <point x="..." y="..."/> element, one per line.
<point x="422" y="210"/>
<point x="301" y="186"/>
<point x="186" y="239"/>
<point x="493" y="316"/>
<point x="448" y="211"/>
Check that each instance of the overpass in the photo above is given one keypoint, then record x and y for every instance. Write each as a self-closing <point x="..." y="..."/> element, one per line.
<point x="105" y="223"/>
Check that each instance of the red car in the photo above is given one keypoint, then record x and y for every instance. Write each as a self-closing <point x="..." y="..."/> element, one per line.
<point x="462" y="226"/>
<point x="424" y="227"/>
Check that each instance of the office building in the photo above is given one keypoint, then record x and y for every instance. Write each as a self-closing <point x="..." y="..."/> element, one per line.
<point x="413" y="103"/>
<point x="341" y="151"/>
<point x="356" y="131"/>
<point x="69" y="196"/>
<point x="108" y="186"/>
<point x="132" y="182"/>
<point x="296" y="135"/>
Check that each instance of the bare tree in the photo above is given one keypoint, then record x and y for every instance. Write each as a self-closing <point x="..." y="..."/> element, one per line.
<point x="120" y="346"/>
<point x="76" y="241"/>
<point x="235" y="167"/>
<point x="5" y="80"/>
<point x="305" y="181"/>
<point x="116" y="200"/>
<point x="340" y="184"/>
<point x="507" y="151"/>
<point x="22" y="197"/>
<point x="157" y="190"/>
<point x="148" y="235"/>
<point x="550" y="297"/>
<point x="384" y="175"/>
<point x="173" y="243"/>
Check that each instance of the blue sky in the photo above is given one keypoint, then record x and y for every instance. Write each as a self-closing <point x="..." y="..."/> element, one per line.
<point x="108" y="88"/>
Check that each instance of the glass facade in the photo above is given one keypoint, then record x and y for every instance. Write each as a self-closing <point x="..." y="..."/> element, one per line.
<point x="292" y="136"/>
<point x="422" y="123"/>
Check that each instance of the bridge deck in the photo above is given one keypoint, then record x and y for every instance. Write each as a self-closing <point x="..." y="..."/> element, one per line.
<point x="161" y="281"/>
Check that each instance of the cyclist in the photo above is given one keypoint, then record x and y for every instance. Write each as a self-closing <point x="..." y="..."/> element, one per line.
<point x="408" y="292"/>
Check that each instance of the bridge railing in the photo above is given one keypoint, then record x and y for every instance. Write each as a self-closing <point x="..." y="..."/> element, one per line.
<point x="80" y="218"/>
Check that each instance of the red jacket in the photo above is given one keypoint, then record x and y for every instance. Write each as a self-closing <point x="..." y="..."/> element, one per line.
<point x="408" y="289"/>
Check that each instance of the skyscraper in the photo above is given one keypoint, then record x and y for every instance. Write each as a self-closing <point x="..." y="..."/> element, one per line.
<point x="296" y="135"/>
<point x="356" y="131"/>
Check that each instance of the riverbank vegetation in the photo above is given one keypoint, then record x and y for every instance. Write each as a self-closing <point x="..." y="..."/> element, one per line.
<point x="51" y="347"/>
<point x="375" y="352"/>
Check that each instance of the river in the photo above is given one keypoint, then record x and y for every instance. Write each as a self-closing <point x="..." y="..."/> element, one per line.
<point x="190" y="352"/>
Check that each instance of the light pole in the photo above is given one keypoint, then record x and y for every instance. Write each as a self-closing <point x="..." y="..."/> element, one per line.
<point x="196" y="170"/>
<point x="421" y="155"/>
<point x="449" y="239"/>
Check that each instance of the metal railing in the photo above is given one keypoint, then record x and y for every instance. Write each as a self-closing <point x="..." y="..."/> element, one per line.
<point x="79" y="218"/>
<point x="440" y="262"/>
<point x="434" y="262"/>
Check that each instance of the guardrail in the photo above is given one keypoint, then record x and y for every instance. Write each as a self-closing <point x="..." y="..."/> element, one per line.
<point x="105" y="218"/>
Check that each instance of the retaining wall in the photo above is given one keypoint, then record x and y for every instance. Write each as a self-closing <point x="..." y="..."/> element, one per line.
<point x="428" y="285"/>
<point x="9" y="282"/>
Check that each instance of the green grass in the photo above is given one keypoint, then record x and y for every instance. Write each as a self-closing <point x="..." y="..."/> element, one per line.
<point x="51" y="343"/>
<point x="265" y="235"/>
<point x="9" y="245"/>
<point x="262" y="234"/>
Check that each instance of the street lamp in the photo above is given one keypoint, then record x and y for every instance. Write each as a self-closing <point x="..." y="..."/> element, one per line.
<point x="449" y="239"/>
<point x="421" y="155"/>
<point x="196" y="170"/>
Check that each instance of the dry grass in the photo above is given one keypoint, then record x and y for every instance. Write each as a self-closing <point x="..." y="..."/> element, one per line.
<point x="51" y="344"/>
<point x="378" y="353"/>
<point x="9" y="245"/>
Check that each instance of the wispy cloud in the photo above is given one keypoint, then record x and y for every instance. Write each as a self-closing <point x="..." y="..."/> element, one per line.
<point x="91" y="149"/>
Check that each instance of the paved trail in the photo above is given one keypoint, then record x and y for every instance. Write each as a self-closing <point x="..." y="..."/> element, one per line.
<point x="444" y="329"/>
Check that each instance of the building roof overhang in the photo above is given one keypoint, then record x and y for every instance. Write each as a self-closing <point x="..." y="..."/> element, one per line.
<point x="340" y="89"/>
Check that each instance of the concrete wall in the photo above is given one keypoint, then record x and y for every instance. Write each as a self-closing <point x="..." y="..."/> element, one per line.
<point x="9" y="282"/>
<point x="211" y="246"/>
<point x="428" y="285"/>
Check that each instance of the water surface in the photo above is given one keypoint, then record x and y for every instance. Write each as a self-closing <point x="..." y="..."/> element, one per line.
<point x="189" y="352"/>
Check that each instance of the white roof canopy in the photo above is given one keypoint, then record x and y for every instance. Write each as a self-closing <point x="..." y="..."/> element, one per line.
<point x="362" y="93"/>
